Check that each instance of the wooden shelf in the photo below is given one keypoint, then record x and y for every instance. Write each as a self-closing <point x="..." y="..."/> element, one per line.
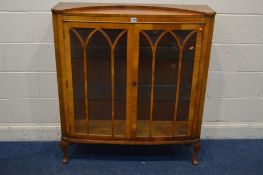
<point x="160" y="128"/>
<point x="100" y="127"/>
<point x="104" y="127"/>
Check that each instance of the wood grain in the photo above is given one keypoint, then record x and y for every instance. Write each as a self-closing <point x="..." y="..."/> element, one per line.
<point x="103" y="128"/>
<point x="120" y="8"/>
<point x="68" y="17"/>
<point x="61" y="73"/>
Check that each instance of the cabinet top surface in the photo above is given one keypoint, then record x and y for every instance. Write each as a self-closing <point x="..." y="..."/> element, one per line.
<point x="132" y="9"/>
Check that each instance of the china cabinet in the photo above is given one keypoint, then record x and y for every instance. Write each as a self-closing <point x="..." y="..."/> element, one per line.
<point x="132" y="74"/>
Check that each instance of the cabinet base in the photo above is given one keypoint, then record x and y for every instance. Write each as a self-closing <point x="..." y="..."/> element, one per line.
<point x="196" y="149"/>
<point x="65" y="141"/>
<point x="64" y="147"/>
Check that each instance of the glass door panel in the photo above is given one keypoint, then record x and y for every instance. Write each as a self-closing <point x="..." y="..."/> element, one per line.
<point x="166" y="59"/>
<point x="120" y="67"/>
<point x="98" y="53"/>
<point x="144" y="87"/>
<point x="164" y="87"/>
<point x="98" y="61"/>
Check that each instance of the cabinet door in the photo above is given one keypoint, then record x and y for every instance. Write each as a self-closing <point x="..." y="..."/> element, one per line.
<point x="166" y="72"/>
<point x="98" y="65"/>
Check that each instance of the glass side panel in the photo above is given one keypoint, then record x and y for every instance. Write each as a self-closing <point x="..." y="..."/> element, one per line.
<point x="165" y="62"/>
<point x="99" y="86"/>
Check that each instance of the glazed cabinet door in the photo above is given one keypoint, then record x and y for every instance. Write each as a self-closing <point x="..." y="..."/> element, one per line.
<point x="166" y="72"/>
<point x="98" y="67"/>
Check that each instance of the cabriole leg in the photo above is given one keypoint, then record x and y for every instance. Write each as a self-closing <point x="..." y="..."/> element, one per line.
<point x="64" y="147"/>
<point x="196" y="149"/>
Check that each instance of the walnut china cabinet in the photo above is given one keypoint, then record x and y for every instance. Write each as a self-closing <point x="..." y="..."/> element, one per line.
<point x="132" y="74"/>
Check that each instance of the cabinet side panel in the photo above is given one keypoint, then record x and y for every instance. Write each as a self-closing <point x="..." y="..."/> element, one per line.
<point x="193" y="99"/>
<point x="60" y="66"/>
<point x="203" y="74"/>
<point x="128" y="83"/>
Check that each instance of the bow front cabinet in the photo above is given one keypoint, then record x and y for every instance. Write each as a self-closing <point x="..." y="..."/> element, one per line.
<point x="132" y="74"/>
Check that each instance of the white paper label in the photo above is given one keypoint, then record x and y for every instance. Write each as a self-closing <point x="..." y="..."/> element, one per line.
<point x="133" y="19"/>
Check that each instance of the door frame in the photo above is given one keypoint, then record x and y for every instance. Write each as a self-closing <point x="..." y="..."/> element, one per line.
<point x="70" y="111"/>
<point x="133" y="30"/>
<point x="198" y="27"/>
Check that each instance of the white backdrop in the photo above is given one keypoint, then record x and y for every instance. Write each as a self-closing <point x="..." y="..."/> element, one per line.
<point x="28" y="88"/>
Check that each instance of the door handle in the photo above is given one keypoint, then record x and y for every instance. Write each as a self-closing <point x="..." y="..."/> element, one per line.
<point x="134" y="83"/>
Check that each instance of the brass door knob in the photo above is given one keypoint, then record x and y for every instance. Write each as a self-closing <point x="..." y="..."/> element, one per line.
<point x="134" y="83"/>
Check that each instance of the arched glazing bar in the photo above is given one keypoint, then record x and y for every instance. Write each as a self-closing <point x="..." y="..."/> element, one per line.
<point x="84" y="44"/>
<point x="181" y="46"/>
<point x="154" y="48"/>
<point x="179" y="78"/>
